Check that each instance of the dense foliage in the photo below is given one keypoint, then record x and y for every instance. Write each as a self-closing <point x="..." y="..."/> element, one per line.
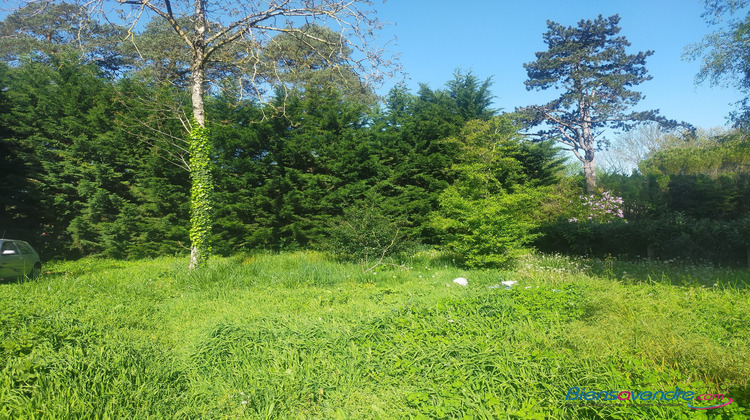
<point x="94" y="160"/>
<point x="83" y="176"/>
<point x="93" y="168"/>
<point x="491" y="210"/>
<point x="685" y="203"/>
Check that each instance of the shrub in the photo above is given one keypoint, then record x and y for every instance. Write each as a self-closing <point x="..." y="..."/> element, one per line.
<point x="368" y="235"/>
<point x="673" y="237"/>
<point x="489" y="214"/>
<point x="488" y="232"/>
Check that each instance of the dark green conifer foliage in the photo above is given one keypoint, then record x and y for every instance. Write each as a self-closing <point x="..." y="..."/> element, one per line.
<point x="285" y="177"/>
<point x="411" y="132"/>
<point x="588" y="63"/>
<point x="78" y="181"/>
<point x="61" y="128"/>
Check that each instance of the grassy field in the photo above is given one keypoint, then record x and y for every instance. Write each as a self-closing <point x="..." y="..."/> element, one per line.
<point x="301" y="336"/>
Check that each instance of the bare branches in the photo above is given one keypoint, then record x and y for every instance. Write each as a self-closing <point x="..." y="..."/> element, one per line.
<point x="158" y="124"/>
<point x="354" y="19"/>
<point x="166" y="14"/>
<point x="235" y="30"/>
<point x="383" y="251"/>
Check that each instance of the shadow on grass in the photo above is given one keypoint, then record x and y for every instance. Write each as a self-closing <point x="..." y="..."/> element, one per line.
<point x="18" y="280"/>
<point x="675" y="273"/>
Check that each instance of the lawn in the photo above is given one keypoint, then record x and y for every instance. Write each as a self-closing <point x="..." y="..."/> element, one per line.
<point x="298" y="335"/>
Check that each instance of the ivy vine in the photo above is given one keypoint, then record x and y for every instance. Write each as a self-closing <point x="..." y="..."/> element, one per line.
<point x="200" y="194"/>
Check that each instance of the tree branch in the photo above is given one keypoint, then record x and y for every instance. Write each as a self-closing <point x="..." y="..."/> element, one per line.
<point x="248" y="23"/>
<point x="166" y="15"/>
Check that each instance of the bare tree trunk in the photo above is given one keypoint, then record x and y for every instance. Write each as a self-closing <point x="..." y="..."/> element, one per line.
<point x="589" y="164"/>
<point x="589" y="172"/>
<point x="196" y="89"/>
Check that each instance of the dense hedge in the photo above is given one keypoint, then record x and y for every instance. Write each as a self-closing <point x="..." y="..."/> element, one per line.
<point x="686" y="203"/>
<point x="676" y="237"/>
<point x="91" y="165"/>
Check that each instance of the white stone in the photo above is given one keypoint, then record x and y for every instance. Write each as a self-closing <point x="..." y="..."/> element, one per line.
<point x="461" y="281"/>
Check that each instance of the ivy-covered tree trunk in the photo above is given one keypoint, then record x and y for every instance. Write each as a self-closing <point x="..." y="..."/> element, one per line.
<point x="200" y="195"/>
<point x="200" y="149"/>
<point x="211" y="26"/>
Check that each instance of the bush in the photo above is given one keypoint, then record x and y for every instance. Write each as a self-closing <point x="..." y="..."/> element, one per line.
<point x="488" y="232"/>
<point x="500" y="194"/>
<point x="368" y="235"/>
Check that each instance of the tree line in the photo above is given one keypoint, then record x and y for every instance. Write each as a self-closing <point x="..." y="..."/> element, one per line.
<point x="81" y="179"/>
<point x="98" y="152"/>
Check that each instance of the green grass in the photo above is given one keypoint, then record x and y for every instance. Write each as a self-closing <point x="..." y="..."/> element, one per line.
<point x="301" y="336"/>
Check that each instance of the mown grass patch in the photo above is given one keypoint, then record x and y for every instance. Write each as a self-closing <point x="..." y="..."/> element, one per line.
<point x="301" y="336"/>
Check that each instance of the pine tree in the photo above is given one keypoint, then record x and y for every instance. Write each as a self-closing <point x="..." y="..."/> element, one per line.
<point x="591" y="67"/>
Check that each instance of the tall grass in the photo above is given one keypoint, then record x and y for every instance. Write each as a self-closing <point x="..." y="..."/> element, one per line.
<point x="298" y="335"/>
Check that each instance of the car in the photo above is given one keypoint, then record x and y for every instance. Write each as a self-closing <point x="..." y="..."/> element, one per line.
<point x="18" y="259"/>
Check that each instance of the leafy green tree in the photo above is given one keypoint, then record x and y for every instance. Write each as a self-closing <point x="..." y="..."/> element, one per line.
<point x="489" y="214"/>
<point x="589" y="63"/>
<point x="213" y="27"/>
<point x="45" y="29"/>
<point x="159" y="54"/>
<point x="725" y="53"/>
<point x="313" y="58"/>
<point x="632" y="147"/>
<point x="725" y="154"/>
<point x="705" y="182"/>
<point x="411" y="133"/>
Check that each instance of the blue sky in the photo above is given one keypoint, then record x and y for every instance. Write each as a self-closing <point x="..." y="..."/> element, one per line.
<point x="496" y="37"/>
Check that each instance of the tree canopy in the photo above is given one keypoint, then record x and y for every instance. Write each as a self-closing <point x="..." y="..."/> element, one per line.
<point x="725" y="53"/>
